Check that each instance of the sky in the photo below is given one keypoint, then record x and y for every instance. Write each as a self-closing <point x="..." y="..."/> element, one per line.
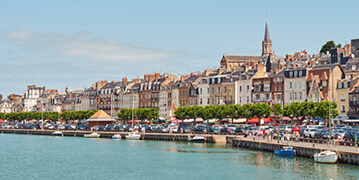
<point x="76" y="43"/>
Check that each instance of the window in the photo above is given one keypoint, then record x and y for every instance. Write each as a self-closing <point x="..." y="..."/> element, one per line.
<point x="279" y="87"/>
<point x="247" y="98"/>
<point x="340" y="85"/>
<point x="212" y="100"/>
<point x="295" y="95"/>
<point x="200" y="91"/>
<point x="275" y="88"/>
<point x="324" y="83"/>
<point x="290" y="85"/>
<point x="300" y="95"/>
<point x="218" y="100"/>
<point x="225" y="89"/>
<point x="207" y="100"/>
<point x="300" y="83"/>
<point x="300" y="73"/>
<point x="240" y="99"/>
<point x="257" y="88"/>
<point x="343" y="97"/>
<point x="267" y="97"/>
<point x="295" y="84"/>
<point x="212" y="90"/>
<point x="278" y="97"/>
<point x="345" y="85"/>
<point x="257" y="97"/>
<point x="207" y="90"/>
<point x="231" y="89"/>
<point x="266" y="87"/>
<point x="247" y="88"/>
<point x="219" y="90"/>
<point x="291" y="74"/>
<point x="240" y="88"/>
<point x="343" y="108"/>
<point x="200" y="101"/>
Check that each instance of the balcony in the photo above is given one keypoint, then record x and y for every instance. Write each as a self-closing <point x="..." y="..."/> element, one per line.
<point x="353" y="114"/>
<point x="155" y="99"/>
<point x="228" y="102"/>
<point x="353" y="103"/>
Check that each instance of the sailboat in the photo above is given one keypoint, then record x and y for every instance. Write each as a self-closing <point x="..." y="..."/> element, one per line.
<point x="327" y="156"/>
<point x="133" y="135"/>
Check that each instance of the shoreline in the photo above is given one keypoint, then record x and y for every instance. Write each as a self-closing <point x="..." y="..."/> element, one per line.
<point x="347" y="154"/>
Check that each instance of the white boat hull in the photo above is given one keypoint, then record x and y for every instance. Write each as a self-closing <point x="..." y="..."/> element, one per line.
<point x="92" y="135"/>
<point x="326" y="158"/>
<point x="57" y="133"/>
<point x="133" y="137"/>
<point x="117" y="136"/>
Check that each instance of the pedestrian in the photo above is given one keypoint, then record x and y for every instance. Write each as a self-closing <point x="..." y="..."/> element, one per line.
<point x="271" y="135"/>
<point x="296" y="136"/>
<point x="281" y="137"/>
<point x="264" y="133"/>
<point x="288" y="136"/>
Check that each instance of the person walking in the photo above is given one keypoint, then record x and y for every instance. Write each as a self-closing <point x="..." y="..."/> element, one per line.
<point x="281" y="137"/>
<point x="296" y="136"/>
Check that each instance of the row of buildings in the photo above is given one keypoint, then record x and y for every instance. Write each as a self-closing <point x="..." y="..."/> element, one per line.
<point x="240" y="79"/>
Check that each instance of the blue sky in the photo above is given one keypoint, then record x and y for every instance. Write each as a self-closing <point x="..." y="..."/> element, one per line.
<point x="75" y="43"/>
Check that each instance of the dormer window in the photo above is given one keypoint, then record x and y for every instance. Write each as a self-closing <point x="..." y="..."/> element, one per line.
<point x="340" y="85"/>
<point x="345" y="85"/>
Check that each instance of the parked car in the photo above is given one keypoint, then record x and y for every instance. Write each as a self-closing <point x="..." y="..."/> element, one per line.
<point x="310" y="132"/>
<point x="349" y="135"/>
<point x="109" y="127"/>
<point x="297" y="129"/>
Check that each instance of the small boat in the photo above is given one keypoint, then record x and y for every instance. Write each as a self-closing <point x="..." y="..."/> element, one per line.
<point x="117" y="136"/>
<point x="196" y="139"/>
<point x="285" y="151"/>
<point x="326" y="157"/>
<point x="92" y="135"/>
<point x="133" y="136"/>
<point x="57" y="133"/>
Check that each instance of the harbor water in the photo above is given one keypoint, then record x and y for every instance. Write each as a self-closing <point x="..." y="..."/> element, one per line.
<point x="47" y="157"/>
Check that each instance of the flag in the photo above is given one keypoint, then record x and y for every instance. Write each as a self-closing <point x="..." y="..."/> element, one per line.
<point x="174" y="106"/>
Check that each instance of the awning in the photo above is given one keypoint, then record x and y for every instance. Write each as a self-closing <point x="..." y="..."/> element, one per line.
<point x="210" y="121"/>
<point x="241" y="120"/>
<point x="255" y="120"/>
<point x="288" y="118"/>
<point x="100" y="119"/>
<point x="177" y="121"/>
<point x="156" y="120"/>
<point x="351" y="120"/>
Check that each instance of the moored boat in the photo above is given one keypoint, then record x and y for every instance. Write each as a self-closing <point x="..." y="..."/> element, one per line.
<point x="117" y="136"/>
<point x="326" y="157"/>
<point x="285" y="151"/>
<point x="133" y="136"/>
<point x="196" y="139"/>
<point x="92" y="135"/>
<point x="57" y="133"/>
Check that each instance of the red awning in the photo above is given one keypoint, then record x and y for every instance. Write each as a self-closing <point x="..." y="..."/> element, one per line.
<point x="1" y="120"/>
<point x="255" y="120"/>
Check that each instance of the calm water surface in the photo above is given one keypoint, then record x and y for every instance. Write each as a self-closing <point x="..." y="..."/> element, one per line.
<point x="46" y="157"/>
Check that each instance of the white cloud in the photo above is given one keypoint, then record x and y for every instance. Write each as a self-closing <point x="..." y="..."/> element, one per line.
<point x="81" y="46"/>
<point x="20" y="35"/>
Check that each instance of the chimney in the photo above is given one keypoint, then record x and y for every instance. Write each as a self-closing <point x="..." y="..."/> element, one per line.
<point x="124" y="80"/>
<point x="136" y="80"/>
<point x="261" y="69"/>
<point x="157" y="76"/>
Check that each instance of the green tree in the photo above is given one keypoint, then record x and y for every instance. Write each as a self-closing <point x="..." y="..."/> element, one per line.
<point x="246" y="111"/>
<point x="231" y="111"/>
<point x="308" y="110"/>
<point x="322" y="110"/>
<point x="327" y="46"/>
<point x="277" y="109"/>
<point x="180" y="113"/>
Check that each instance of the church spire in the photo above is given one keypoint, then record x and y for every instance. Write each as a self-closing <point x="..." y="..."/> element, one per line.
<point x="266" y="33"/>
<point x="266" y="43"/>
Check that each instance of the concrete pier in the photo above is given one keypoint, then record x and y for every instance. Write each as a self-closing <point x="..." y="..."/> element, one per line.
<point x="348" y="155"/>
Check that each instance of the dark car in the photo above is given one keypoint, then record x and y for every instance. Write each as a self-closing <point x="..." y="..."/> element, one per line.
<point x="199" y="129"/>
<point x="349" y="135"/>
<point x="240" y="130"/>
<point x="101" y="128"/>
<point x="83" y="127"/>
<point x="109" y="127"/>
<point x="186" y="129"/>
<point x="19" y="126"/>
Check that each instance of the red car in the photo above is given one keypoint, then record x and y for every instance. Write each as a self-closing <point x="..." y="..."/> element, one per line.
<point x="296" y="129"/>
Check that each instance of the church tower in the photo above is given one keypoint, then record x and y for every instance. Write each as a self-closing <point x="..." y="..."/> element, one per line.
<point x="266" y="43"/>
